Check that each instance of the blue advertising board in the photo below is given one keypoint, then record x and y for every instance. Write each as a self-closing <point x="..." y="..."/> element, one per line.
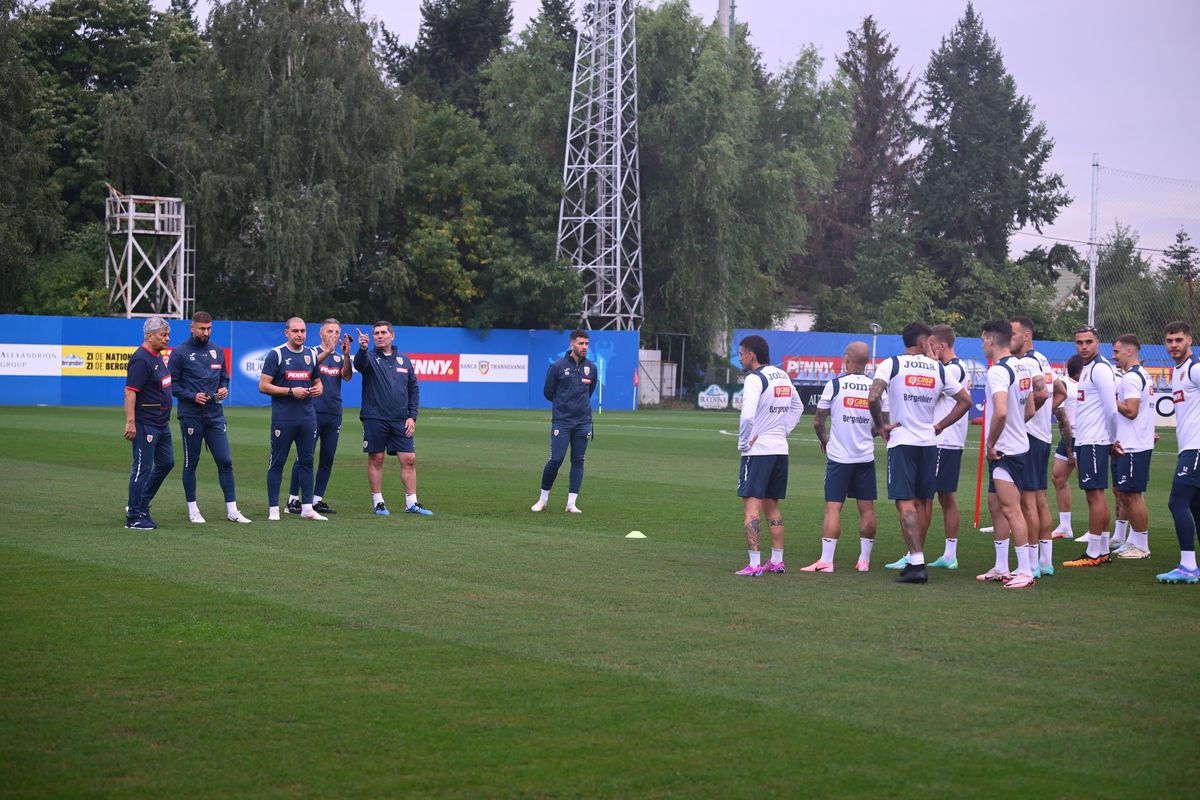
<point x="81" y="361"/>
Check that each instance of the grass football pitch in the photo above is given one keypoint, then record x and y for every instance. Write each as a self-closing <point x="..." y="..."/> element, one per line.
<point x="491" y="652"/>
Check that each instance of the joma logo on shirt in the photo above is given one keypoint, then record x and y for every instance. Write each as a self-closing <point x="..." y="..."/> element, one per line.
<point x="855" y="402"/>
<point x="783" y="391"/>
<point x="920" y="381"/>
<point x="297" y="375"/>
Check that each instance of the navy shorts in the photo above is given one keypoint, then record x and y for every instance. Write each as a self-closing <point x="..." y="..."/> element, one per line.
<point x="763" y="476"/>
<point x="1187" y="469"/>
<point x="911" y="471"/>
<point x="850" y="480"/>
<point x="1037" y="465"/>
<point x="949" y="463"/>
<point x="385" y="436"/>
<point x="1060" y="452"/>
<point x="1092" y="462"/>
<point x="1016" y="467"/>
<point x="1131" y="472"/>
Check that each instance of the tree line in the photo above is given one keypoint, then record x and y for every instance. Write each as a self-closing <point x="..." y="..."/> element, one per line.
<point x="332" y="169"/>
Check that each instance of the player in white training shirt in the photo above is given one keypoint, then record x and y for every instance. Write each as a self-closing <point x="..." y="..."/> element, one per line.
<point x="849" y="446"/>
<point x="1135" y="432"/>
<point x="771" y="406"/>
<point x="1066" y="393"/>
<point x="1037" y="506"/>
<point x="1095" y="432"/>
<point x="950" y="444"/>
<point x="1185" y="486"/>
<point x="1010" y="406"/>
<point x="913" y="382"/>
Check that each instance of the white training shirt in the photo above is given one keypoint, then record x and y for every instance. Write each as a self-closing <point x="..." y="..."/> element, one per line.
<point x="1096" y="407"/>
<point x="954" y="437"/>
<point x="1137" y="435"/>
<point x="1068" y="404"/>
<point x="1185" y="388"/>
<point x="1039" y="424"/>
<point x="850" y="439"/>
<point x="1012" y="376"/>
<point x="914" y="383"/>
<point x="771" y="407"/>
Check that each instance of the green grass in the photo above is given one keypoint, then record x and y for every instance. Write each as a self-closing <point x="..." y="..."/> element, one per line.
<point x="489" y="652"/>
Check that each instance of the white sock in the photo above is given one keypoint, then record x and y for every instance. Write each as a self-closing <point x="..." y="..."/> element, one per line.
<point x="231" y="509"/>
<point x="1141" y="540"/>
<point x="273" y="511"/>
<point x="755" y="558"/>
<point x="1187" y="558"/>
<point x="1106" y="541"/>
<point x="1032" y="558"/>
<point x="916" y="559"/>
<point x="865" y="546"/>
<point x="376" y="498"/>
<point x="544" y="496"/>
<point x="1120" y="531"/>
<point x="951" y="550"/>
<point x="1046" y="552"/>
<point x="827" y="548"/>
<point x="193" y="508"/>
<point x="293" y="498"/>
<point x="1002" y="555"/>
<point x="1097" y="545"/>
<point x="410" y="500"/>
<point x="306" y="508"/>
<point x="316" y="499"/>
<point x="1064" y="520"/>
<point x="1023" y="560"/>
<point x="572" y="498"/>
<point x="777" y="555"/>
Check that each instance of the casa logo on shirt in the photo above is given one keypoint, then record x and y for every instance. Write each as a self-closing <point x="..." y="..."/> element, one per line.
<point x="297" y="375"/>
<point x="855" y="402"/>
<point x="783" y="391"/>
<point x="920" y="381"/>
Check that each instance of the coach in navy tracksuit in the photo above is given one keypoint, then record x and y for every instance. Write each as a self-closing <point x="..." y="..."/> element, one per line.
<point x="335" y="368"/>
<point x="390" y="402"/>
<point x="200" y="379"/>
<point x="148" y="422"/>
<point x="290" y="377"/>
<point x="570" y="382"/>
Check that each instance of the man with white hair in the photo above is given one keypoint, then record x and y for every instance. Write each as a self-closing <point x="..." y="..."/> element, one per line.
<point x="147" y="422"/>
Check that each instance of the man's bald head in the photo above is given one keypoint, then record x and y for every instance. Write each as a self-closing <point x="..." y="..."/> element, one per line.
<point x="857" y="356"/>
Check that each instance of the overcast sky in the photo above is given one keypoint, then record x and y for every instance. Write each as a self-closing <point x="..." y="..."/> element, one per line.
<point x="1116" y="78"/>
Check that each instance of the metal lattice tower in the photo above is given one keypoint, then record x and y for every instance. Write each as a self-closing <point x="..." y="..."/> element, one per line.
<point x="149" y="264"/>
<point x="599" y="219"/>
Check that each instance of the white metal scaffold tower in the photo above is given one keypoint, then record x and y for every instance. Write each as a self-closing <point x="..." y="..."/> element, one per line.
<point x="599" y="218"/>
<point x="149" y="264"/>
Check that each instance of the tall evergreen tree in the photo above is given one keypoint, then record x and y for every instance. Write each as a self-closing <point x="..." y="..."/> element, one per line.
<point x="982" y="168"/>
<point x="872" y="177"/>
<point x="456" y="39"/>
<point x="1182" y="269"/>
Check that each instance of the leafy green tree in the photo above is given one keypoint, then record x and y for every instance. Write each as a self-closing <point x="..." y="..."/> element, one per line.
<point x="729" y="159"/>
<point x="69" y="281"/>
<point x="1132" y="296"/>
<point x="288" y="148"/>
<point x="30" y="216"/>
<point x="472" y="251"/>
<point x="86" y="50"/>
<point x="982" y="167"/>
<point x="456" y="39"/>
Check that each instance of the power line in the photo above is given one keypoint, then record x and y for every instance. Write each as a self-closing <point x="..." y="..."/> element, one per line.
<point x="1083" y="242"/>
<point x="1130" y="173"/>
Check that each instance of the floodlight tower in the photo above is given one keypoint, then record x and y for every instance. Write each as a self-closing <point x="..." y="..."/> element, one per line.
<point x="599" y="218"/>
